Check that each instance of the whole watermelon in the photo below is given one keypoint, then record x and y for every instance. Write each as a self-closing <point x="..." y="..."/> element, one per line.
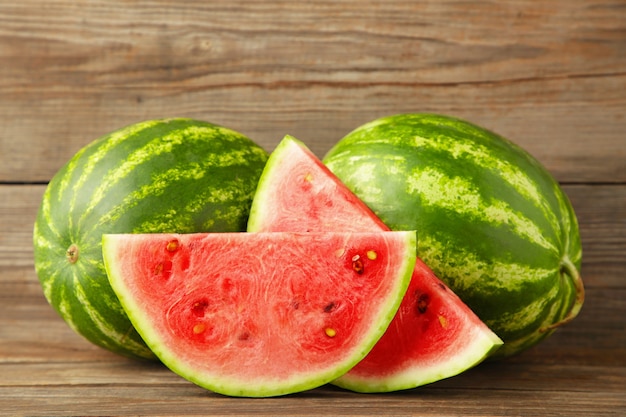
<point x="175" y="175"/>
<point x="491" y="221"/>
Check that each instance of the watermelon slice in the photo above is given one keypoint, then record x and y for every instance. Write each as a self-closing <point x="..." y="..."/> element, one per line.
<point x="260" y="314"/>
<point x="434" y="334"/>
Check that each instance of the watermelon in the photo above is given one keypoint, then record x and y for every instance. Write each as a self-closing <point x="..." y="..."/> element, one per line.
<point x="434" y="335"/>
<point x="175" y="175"/>
<point x="492" y="222"/>
<point x="260" y="314"/>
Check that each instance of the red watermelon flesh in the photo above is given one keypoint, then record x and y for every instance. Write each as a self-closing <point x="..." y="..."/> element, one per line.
<point x="260" y="314"/>
<point x="433" y="336"/>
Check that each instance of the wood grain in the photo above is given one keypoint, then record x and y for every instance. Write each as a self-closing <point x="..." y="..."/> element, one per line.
<point x="549" y="75"/>
<point x="165" y="400"/>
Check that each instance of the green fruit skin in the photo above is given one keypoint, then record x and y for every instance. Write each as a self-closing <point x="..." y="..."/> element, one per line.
<point x="171" y="175"/>
<point x="491" y="221"/>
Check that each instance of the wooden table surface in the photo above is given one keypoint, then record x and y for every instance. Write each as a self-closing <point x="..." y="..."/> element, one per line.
<point x="549" y="75"/>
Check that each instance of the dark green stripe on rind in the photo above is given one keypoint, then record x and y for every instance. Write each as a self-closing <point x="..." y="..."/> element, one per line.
<point x="491" y="221"/>
<point x="177" y="175"/>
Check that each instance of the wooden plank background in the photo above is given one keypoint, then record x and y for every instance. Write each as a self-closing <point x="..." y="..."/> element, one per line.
<point x="549" y="75"/>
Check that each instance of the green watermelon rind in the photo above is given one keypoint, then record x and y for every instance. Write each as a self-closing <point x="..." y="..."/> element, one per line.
<point x="142" y="322"/>
<point x="493" y="223"/>
<point x="166" y="175"/>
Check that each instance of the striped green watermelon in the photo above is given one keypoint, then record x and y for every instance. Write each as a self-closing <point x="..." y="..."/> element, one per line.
<point x="492" y="222"/>
<point x="176" y="175"/>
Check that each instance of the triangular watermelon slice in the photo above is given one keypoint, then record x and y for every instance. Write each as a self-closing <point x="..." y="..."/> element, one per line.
<point x="434" y="334"/>
<point x="260" y="314"/>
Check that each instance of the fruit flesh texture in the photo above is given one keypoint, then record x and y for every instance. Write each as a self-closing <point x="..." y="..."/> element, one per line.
<point x="260" y="314"/>
<point x="423" y="344"/>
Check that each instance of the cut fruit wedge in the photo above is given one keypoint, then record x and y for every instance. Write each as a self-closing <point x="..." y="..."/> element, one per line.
<point x="433" y="336"/>
<point x="260" y="314"/>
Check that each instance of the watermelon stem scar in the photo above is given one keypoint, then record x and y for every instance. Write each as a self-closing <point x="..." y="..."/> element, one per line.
<point x="569" y="270"/>
<point x="72" y="253"/>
